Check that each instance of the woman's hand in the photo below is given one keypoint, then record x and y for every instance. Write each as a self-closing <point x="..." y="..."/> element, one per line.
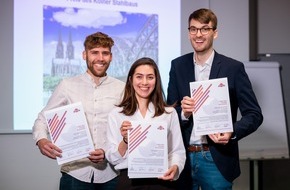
<point x="126" y="125"/>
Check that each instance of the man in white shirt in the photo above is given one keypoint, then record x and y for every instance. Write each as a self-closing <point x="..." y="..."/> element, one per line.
<point x="98" y="94"/>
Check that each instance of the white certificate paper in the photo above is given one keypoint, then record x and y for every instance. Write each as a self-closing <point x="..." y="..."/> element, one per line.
<point x="147" y="150"/>
<point x="212" y="106"/>
<point x="69" y="131"/>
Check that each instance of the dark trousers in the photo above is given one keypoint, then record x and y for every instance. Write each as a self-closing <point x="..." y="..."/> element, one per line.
<point x="124" y="183"/>
<point x="68" y="182"/>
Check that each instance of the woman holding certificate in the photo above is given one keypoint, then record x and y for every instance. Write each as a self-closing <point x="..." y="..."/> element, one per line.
<point x="145" y="142"/>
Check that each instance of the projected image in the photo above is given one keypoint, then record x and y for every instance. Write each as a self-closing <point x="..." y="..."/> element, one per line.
<point x="65" y="29"/>
<point x="48" y="42"/>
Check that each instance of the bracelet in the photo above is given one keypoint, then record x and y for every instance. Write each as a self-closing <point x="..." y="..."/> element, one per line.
<point x="125" y="141"/>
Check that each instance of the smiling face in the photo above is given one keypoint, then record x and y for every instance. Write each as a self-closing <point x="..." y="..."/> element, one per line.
<point x="98" y="60"/>
<point x="143" y="81"/>
<point x="202" y="43"/>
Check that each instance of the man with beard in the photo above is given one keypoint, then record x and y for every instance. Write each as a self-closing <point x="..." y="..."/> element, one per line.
<point x="212" y="160"/>
<point x="98" y="94"/>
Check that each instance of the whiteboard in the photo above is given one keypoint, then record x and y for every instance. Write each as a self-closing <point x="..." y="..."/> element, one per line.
<point x="270" y="141"/>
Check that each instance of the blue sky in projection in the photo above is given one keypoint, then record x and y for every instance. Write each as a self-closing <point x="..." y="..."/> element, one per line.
<point x="124" y="27"/>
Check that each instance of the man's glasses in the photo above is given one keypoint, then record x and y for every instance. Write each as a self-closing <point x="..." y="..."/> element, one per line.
<point x="203" y="31"/>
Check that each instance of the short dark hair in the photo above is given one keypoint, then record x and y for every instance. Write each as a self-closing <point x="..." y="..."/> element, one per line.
<point x="204" y="16"/>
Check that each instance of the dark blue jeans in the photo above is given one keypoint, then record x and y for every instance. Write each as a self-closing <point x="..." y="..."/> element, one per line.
<point x="205" y="174"/>
<point x="68" y="182"/>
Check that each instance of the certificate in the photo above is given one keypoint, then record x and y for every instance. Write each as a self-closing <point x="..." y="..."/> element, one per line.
<point x="212" y="112"/>
<point x="69" y="131"/>
<point x="147" y="150"/>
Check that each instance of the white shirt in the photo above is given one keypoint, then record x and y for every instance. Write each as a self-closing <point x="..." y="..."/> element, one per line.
<point x="202" y="72"/>
<point x="98" y="101"/>
<point x="176" y="151"/>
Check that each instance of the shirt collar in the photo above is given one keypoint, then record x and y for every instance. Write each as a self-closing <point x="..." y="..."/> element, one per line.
<point x="151" y="107"/>
<point x="102" y="79"/>
<point x="208" y="62"/>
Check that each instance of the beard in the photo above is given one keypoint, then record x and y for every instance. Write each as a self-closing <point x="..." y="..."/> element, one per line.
<point x="97" y="72"/>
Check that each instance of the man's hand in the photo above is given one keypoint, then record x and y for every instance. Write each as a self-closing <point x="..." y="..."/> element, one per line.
<point x="48" y="149"/>
<point x="187" y="105"/>
<point x="171" y="172"/>
<point x="97" y="156"/>
<point x="221" y="138"/>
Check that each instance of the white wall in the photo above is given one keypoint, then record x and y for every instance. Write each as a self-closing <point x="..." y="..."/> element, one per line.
<point x="233" y="26"/>
<point x="273" y="26"/>
<point x="6" y="64"/>
<point x="23" y="167"/>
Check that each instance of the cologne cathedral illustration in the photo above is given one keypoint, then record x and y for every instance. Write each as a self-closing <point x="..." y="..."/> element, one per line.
<point x="64" y="64"/>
